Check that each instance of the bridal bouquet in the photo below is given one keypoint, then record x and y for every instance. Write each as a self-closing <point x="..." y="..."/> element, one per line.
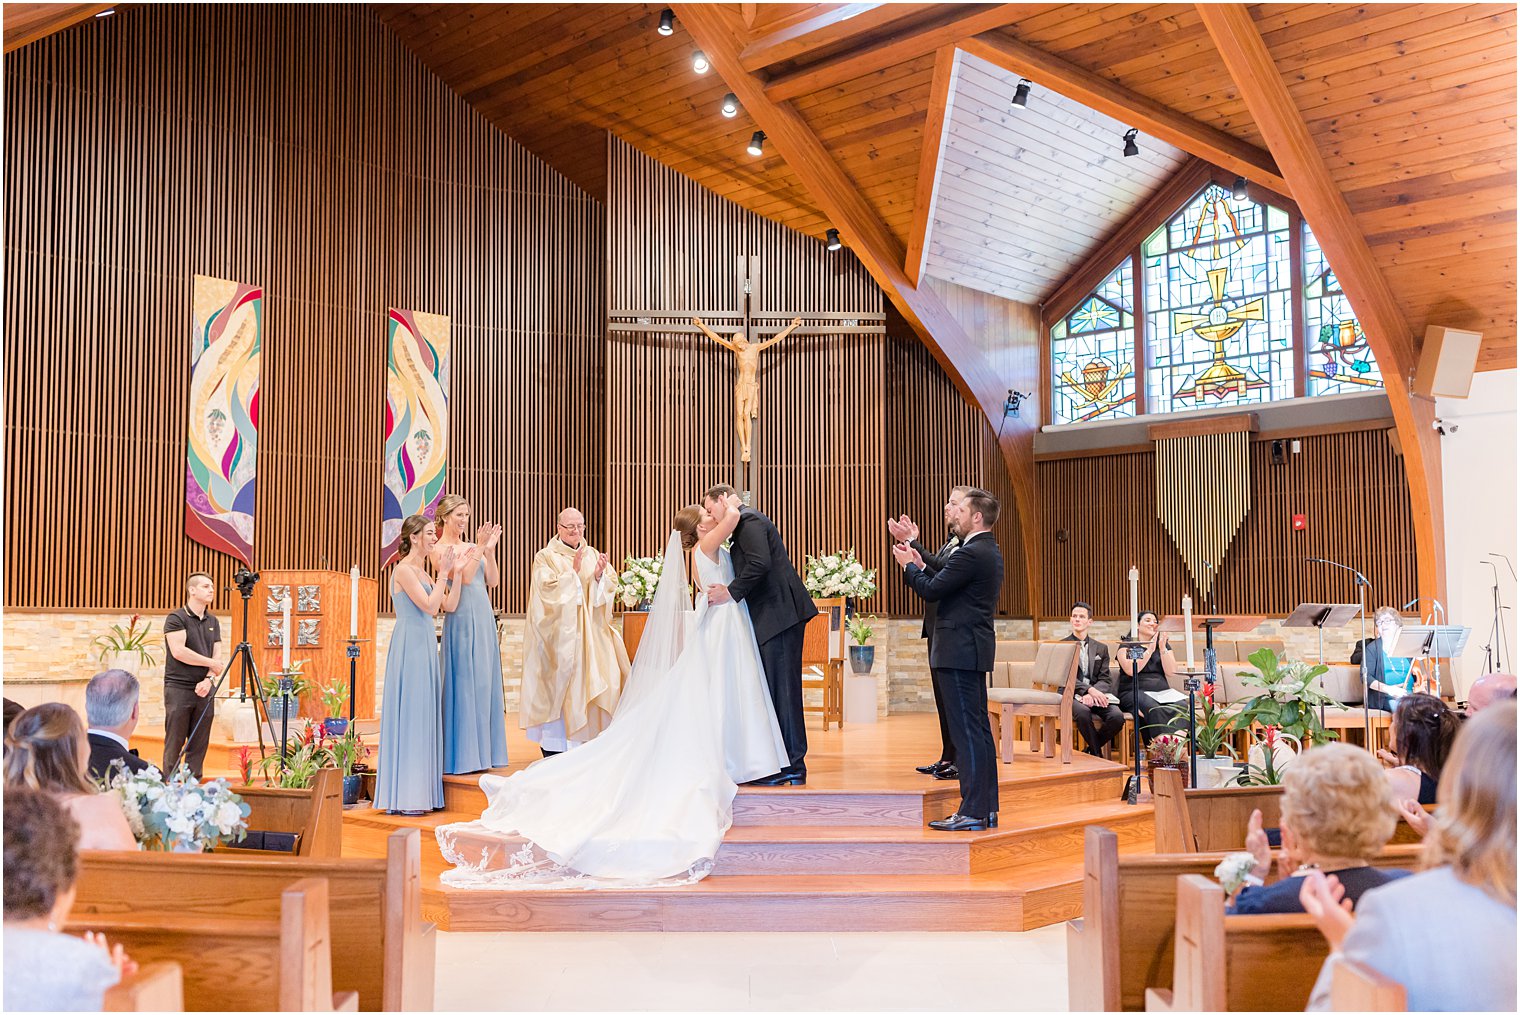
<point x="639" y="579"/>
<point x="839" y="574"/>
<point x="178" y="814"/>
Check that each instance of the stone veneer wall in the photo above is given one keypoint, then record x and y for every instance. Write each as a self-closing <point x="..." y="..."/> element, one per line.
<point x="48" y="656"/>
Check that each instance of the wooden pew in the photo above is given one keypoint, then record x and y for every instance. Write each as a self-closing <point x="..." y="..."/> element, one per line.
<point x="381" y="947"/>
<point x="1203" y="820"/>
<point x="156" y="986"/>
<point x="1355" y="987"/>
<point x="314" y="815"/>
<point x="239" y="962"/>
<point x="1238" y="963"/>
<point x="1123" y="942"/>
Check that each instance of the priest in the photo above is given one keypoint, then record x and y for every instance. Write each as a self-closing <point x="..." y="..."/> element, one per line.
<point x="573" y="661"/>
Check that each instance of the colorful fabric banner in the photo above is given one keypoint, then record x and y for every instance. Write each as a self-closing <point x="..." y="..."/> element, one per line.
<point x="225" y="349"/>
<point x="416" y="420"/>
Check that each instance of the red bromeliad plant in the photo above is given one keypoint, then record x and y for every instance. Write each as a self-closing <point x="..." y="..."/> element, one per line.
<point x="245" y="764"/>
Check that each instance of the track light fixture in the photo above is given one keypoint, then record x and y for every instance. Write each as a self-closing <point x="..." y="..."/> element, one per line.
<point x="699" y="61"/>
<point x="833" y="239"/>
<point x="667" y="22"/>
<point x="1021" y="94"/>
<point x="730" y="105"/>
<point x="757" y="143"/>
<point x="1130" y="148"/>
<point x="1239" y="191"/>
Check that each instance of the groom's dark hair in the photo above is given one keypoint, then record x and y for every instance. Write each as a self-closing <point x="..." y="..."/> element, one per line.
<point x="983" y="503"/>
<point x="715" y="492"/>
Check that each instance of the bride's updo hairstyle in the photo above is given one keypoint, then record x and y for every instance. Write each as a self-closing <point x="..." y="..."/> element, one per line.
<point x="686" y="522"/>
<point x="410" y="530"/>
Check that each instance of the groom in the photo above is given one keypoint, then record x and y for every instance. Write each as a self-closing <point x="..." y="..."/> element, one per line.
<point x="779" y="608"/>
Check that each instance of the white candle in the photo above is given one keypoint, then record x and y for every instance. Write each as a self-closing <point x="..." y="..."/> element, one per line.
<point x="1134" y="602"/>
<point x="285" y="632"/>
<point x="353" y="603"/>
<point x="1187" y="623"/>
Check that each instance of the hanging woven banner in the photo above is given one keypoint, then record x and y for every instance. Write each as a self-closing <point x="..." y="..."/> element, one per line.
<point x="220" y="453"/>
<point x="1203" y="491"/>
<point x="416" y="420"/>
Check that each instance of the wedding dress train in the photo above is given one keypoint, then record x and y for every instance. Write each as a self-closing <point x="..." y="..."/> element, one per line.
<point x="648" y="801"/>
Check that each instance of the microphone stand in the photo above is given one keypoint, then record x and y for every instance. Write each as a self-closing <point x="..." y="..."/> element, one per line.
<point x="1437" y="617"/>
<point x="1362" y="585"/>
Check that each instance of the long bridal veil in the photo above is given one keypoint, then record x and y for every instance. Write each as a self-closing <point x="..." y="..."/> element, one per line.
<point x="645" y="803"/>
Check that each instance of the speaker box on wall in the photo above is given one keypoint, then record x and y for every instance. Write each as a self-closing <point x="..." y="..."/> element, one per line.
<point x="1447" y="361"/>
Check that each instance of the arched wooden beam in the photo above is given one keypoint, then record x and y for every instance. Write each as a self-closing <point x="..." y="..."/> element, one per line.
<point x="1250" y="64"/>
<point x="717" y="31"/>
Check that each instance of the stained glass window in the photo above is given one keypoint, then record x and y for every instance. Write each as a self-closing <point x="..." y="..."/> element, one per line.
<point x="1340" y="359"/>
<point x="1218" y="301"/>
<point x="1092" y="353"/>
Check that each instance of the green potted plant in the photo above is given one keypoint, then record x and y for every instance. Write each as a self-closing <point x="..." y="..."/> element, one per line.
<point x="276" y="702"/>
<point x="1286" y="698"/>
<point x="1170" y="750"/>
<point x="1269" y="756"/>
<point x="304" y="758"/>
<point x="1217" y="763"/>
<point x="347" y="752"/>
<point x="126" y="648"/>
<point x="334" y="697"/>
<point x="862" y="655"/>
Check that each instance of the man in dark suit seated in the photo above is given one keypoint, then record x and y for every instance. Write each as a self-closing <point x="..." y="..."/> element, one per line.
<point x="1098" y="720"/>
<point x="110" y="706"/>
<point x="962" y="652"/>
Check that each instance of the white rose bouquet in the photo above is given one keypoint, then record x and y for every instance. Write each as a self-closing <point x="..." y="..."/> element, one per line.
<point x="839" y="574"/>
<point x="638" y="580"/>
<point x="1234" y="872"/>
<point x="178" y="813"/>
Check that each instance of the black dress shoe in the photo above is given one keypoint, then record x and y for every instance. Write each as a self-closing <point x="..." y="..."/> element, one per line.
<point x="959" y="823"/>
<point x="931" y="769"/>
<point x="781" y="779"/>
<point x="948" y="772"/>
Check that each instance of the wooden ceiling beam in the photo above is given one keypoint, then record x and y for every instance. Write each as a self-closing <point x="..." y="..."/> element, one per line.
<point x="1150" y="117"/>
<point x="882" y="255"/>
<point x="1281" y="123"/>
<point x="26" y="23"/>
<point x="936" y="128"/>
<point x="961" y="22"/>
<point x="794" y="40"/>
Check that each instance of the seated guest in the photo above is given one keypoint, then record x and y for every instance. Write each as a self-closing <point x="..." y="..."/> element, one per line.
<point x="110" y="705"/>
<point x="1389" y="677"/>
<point x="1447" y="933"/>
<point x="1489" y="688"/>
<point x="12" y="709"/>
<point x="1423" y="730"/>
<point x="46" y="750"/>
<point x="46" y="970"/>
<point x="1337" y="815"/>
<point x="1156" y="665"/>
<point x="1098" y="721"/>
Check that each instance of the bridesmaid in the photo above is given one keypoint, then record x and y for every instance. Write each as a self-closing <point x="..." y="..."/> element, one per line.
<point x="474" y="720"/>
<point x="410" y="780"/>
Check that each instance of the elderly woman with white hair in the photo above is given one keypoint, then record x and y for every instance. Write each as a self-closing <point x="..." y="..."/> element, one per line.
<point x="1337" y="815"/>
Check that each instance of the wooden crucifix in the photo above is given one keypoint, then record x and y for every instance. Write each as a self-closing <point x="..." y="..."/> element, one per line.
<point x="746" y="387"/>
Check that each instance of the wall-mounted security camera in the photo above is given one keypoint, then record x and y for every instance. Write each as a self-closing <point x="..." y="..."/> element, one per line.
<point x="1444" y="428"/>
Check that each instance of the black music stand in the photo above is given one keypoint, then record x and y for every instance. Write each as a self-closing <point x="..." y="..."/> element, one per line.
<point x="1321" y="616"/>
<point x="1430" y="641"/>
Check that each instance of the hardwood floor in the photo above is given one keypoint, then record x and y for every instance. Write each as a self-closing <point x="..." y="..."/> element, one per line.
<point x="849" y="851"/>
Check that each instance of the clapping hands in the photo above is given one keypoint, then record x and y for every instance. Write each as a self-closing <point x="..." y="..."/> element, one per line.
<point x="116" y="953"/>
<point x="905" y="555"/>
<point x="487" y="536"/>
<point x="902" y="529"/>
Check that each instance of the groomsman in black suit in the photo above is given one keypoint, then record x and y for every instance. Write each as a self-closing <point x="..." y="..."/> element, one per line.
<point x="903" y="530"/>
<point x="965" y="591"/>
<point x="110" y="707"/>
<point x="1092" y="714"/>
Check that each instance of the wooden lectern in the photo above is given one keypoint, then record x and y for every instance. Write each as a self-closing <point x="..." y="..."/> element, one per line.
<point x="319" y="628"/>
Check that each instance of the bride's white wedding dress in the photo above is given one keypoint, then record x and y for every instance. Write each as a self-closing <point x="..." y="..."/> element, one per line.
<point x="649" y="800"/>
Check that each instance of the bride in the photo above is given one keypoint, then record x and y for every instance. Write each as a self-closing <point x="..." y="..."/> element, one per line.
<point x="648" y="801"/>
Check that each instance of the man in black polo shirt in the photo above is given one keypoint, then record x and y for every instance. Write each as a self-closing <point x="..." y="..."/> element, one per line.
<point x="191" y="666"/>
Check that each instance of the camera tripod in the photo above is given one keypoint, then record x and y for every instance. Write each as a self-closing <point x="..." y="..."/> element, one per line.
<point x="243" y="652"/>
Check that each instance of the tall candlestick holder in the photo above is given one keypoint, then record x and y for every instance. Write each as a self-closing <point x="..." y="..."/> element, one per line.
<point x="285" y="684"/>
<point x="353" y="674"/>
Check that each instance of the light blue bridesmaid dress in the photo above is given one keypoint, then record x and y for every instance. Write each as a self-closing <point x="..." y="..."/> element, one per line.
<point x="410" y="776"/>
<point x="474" y="726"/>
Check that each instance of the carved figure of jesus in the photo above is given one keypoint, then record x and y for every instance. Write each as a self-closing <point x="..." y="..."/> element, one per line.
<point x="746" y="387"/>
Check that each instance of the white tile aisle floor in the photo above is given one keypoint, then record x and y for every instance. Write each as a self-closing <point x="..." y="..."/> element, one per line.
<point x="981" y="971"/>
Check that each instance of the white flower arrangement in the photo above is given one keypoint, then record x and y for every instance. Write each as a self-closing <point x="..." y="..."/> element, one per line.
<point x="1234" y="872"/>
<point x="839" y="574"/>
<point x="178" y="812"/>
<point x="639" y="579"/>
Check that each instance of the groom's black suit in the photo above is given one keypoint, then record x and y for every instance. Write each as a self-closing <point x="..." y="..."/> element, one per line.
<point x="961" y="655"/>
<point x="779" y="608"/>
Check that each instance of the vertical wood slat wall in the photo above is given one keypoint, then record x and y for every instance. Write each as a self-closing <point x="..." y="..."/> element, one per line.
<point x="1349" y="485"/>
<point x="305" y="150"/>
